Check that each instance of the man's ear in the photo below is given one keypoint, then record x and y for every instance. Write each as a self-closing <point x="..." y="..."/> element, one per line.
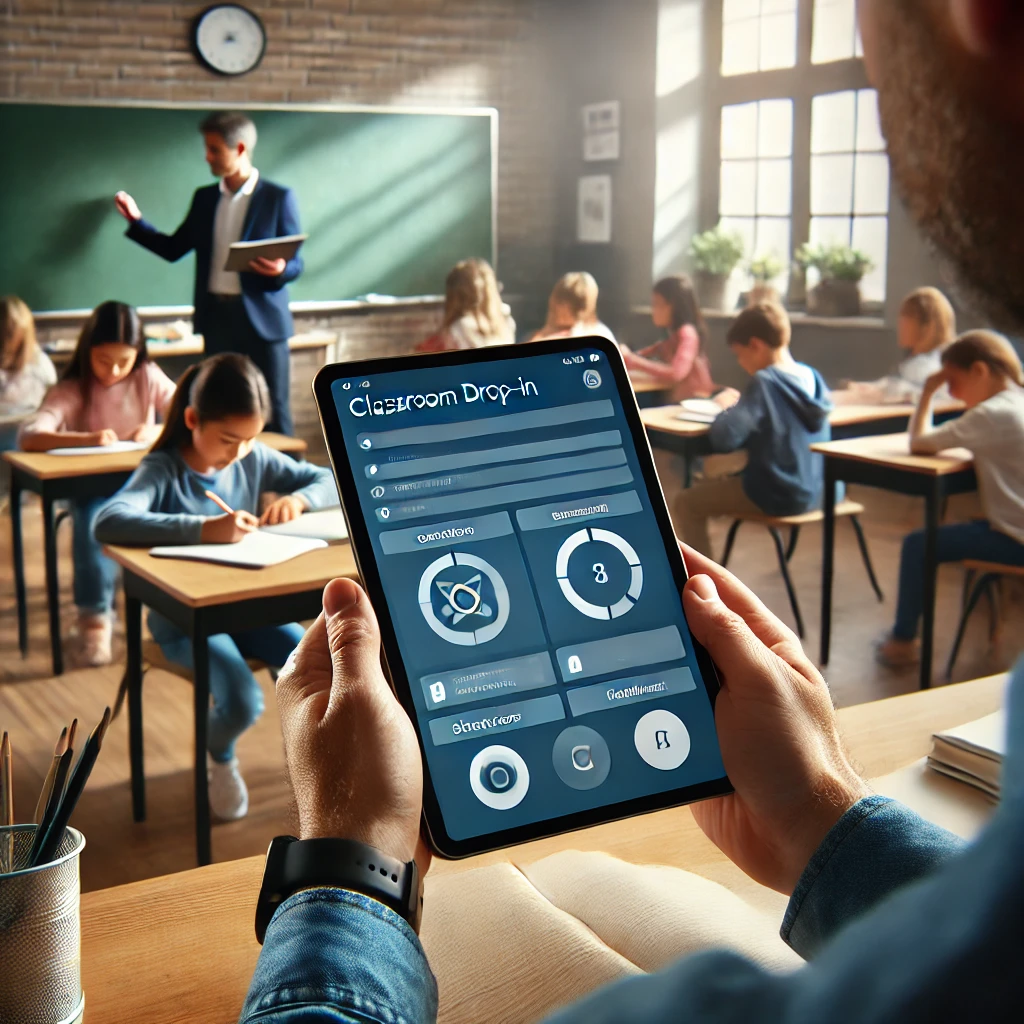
<point x="191" y="419"/>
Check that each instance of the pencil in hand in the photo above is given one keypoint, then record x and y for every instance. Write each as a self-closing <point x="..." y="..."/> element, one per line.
<point x="220" y="502"/>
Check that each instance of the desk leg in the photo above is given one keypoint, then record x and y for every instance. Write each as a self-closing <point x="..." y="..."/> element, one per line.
<point x="933" y="508"/>
<point x="687" y="467"/>
<point x="133" y="637"/>
<point x="201" y="671"/>
<point x="828" y="559"/>
<point x="52" y="584"/>
<point x="18" y="558"/>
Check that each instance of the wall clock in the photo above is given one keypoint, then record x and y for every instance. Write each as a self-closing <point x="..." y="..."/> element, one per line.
<point x="229" y="39"/>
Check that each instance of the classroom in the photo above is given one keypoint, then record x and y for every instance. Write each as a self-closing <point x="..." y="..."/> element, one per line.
<point x="291" y="289"/>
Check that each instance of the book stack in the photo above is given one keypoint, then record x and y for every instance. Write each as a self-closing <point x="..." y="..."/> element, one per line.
<point x="972" y="753"/>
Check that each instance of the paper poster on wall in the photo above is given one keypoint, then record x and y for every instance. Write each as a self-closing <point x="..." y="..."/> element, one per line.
<point x="601" y="146"/>
<point x="601" y="117"/>
<point x="594" y="215"/>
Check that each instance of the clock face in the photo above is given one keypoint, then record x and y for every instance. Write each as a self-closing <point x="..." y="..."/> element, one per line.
<point x="229" y="39"/>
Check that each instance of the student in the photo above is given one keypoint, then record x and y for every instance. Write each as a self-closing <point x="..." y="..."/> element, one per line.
<point x="983" y="371"/>
<point x="679" y="361"/>
<point x="110" y="391"/>
<point x="926" y="325"/>
<point x="25" y="369"/>
<point x="572" y="310"/>
<point x="209" y="443"/>
<point x="474" y="315"/>
<point x="783" y="411"/>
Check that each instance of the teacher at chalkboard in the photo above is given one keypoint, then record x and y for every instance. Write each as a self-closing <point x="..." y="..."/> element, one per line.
<point x="246" y="312"/>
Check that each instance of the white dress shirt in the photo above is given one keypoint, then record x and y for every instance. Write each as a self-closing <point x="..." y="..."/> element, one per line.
<point x="228" y="223"/>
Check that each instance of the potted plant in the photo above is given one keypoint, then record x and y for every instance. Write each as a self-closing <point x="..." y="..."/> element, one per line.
<point x="764" y="270"/>
<point x="840" y="270"/>
<point x="715" y="254"/>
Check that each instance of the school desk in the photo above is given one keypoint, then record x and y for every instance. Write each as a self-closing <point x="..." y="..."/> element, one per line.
<point x="57" y="477"/>
<point x="203" y="599"/>
<point x="690" y="440"/>
<point x="182" y="948"/>
<point x="885" y="462"/>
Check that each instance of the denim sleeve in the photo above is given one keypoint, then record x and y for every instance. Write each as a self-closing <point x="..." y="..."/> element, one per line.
<point x="732" y="428"/>
<point x="877" y="847"/>
<point x="338" y="956"/>
<point x="285" y="475"/>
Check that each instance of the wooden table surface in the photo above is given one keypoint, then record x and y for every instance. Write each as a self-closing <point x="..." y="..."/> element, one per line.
<point x="45" y="466"/>
<point x="195" y="346"/>
<point x="893" y="451"/>
<point x="181" y="948"/>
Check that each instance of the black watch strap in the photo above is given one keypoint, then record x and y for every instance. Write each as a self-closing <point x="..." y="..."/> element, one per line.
<point x="294" y="864"/>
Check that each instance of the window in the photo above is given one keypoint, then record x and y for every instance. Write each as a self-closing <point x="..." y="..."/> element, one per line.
<point x="836" y="36"/>
<point x="758" y="35"/>
<point x="850" y="180"/>
<point x="756" y="185"/>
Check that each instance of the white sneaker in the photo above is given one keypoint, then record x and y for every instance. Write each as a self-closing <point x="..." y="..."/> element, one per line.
<point x="229" y="799"/>
<point x="96" y="632"/>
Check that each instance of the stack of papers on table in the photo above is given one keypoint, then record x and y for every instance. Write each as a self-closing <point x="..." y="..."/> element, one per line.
<point x="972" y="753"/>
<point x="102" y="449"/>
<point x="254" y="551"/>
<point x="699" y="410"/>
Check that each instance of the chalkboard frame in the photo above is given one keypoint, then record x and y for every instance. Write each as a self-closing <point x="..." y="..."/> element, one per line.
<point x="302" y="306"/>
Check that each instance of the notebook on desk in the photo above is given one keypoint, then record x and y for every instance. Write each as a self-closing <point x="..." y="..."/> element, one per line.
<point x="327" y="525"/>
<point x="254" y="551"/>
<point x="102" y="449"/>
<point x="698" y="410"/>
<point x="972" y="753"/>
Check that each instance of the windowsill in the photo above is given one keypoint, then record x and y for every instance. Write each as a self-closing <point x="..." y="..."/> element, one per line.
<point x="874" y="323"/>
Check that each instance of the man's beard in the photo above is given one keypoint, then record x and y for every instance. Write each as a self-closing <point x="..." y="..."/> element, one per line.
<point x="956" y="163"/>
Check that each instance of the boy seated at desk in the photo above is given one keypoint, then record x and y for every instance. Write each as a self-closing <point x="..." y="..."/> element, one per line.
<point x="783" y="411"/>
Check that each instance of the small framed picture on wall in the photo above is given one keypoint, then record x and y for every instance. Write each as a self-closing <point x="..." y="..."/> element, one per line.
<point x="601" y="117"/>
<point x="594" y="213"/>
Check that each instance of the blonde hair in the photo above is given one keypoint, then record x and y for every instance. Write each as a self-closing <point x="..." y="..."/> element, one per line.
<point x="985" y="347"/>
<point x="17" y="334"/>
<point x="578" y="292"/>
<point x="471" y="289"/>
<point x="932" y="310"/>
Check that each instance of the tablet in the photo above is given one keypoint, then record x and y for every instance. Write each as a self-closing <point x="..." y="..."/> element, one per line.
<point x="510" y="530"/>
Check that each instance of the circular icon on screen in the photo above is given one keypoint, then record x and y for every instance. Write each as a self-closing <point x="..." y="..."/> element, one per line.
<point x="463" y="599"/>
<point x="592" y="379"/>
<point x="662" y="740"/>
<point x="499" y="778"/>
<point x="599" y="573"/>
<point x="581" y="757"/>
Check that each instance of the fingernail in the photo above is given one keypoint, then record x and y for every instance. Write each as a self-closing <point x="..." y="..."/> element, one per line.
<point x="703" y="587"/>
<point x="339" y="597"/>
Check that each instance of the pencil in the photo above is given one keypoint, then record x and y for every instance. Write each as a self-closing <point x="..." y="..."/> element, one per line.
<point x="6" y="804"/>
<point x="219" y="502"/>
<point x="52" y="805"/>
<point x="51" y="774"/>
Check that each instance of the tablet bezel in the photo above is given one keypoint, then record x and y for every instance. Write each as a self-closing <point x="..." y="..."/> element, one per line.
<point x="365" y="558"/>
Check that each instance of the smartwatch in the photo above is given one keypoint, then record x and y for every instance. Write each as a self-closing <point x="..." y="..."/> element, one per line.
<point x="294" y="864"/>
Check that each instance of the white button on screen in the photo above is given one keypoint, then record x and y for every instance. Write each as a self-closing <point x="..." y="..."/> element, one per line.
<point x="661" y="740"/>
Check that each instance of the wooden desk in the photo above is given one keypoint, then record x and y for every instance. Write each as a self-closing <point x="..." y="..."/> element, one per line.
<point x="181" y="948"/>
<point x="203" y="599"/>
<point x="56" y="477"/>
<point x="886" y="462"/>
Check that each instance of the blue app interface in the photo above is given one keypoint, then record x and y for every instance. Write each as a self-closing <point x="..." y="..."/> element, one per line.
<point x="541" y="629"/>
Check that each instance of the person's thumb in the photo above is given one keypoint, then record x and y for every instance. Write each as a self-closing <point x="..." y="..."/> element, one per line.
<point x="734" y="649"/>
<point x="354" y="640"/>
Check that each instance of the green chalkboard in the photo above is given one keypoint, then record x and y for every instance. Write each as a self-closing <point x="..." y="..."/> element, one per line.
<point x="390" y="200"/>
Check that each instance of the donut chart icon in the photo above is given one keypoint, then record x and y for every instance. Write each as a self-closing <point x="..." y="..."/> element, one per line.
<point x="464" y="599"/>
<point x="636" y="573"/>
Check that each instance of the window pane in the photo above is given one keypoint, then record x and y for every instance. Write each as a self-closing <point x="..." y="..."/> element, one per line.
<point x="772" y="238"/>
<point x="832" y="122"/>
<point x="775" y="187"/>
<point x="830" y="231"/>
<point x="738" y="188"/>
<point x="739" y="131"/>
<point x="737" y="10"/>
<point x="871" y="187"/>
<point x="740" y="47"/>
<point x="775" y="128"/>
<point x="871" y="235"/>
<point x="778" y="6"/>
<point x="831" y="184"/>
<point x="869" y="128"/>
<point x="778" y="41"/>
<point x="835" y="30"/>
<point x="744" y="227"/>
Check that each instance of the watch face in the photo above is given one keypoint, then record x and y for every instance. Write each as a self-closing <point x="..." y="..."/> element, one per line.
<point x="230" y="39"/>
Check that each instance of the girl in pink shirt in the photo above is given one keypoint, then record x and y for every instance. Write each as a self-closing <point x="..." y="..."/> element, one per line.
<point x="678" y="361"/>
<point x="110" y="391"/>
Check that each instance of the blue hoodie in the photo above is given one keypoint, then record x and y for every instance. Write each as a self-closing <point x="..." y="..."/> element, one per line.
<point x="777" y="421"/>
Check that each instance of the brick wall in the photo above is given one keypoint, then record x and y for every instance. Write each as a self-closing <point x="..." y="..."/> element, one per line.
<point x="413" y="52"/>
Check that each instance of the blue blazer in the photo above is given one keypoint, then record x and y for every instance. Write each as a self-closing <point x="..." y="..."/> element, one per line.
<point x="273" y="212"/>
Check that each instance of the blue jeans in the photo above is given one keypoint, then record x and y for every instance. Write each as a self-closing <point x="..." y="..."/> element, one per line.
<point x="95" y="574"/>
<point x="955" y="543"/>
<point x="237" y="697"/>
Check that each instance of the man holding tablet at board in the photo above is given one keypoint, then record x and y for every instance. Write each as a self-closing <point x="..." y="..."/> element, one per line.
<point x="235" y="312"/>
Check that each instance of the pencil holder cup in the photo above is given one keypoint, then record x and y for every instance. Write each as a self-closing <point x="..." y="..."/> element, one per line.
<point x="40" y="932"/>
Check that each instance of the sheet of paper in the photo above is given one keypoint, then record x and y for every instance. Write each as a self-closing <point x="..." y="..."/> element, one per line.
<point x="326" y="525"/>
<point x="283" y="248"/>
<point x="102" y="449"/>
<point x="254" y="551"/>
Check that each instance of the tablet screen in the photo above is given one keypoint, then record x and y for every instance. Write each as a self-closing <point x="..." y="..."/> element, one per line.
<point x="534" y="605"/>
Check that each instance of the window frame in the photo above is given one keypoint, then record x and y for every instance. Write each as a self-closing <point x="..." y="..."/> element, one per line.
<point x="800" y="83"/>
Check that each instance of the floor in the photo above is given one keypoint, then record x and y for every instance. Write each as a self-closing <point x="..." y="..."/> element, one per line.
<point x="34" y="705"/>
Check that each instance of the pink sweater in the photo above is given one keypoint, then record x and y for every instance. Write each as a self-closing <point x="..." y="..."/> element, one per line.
<point x="128" y="405"/>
